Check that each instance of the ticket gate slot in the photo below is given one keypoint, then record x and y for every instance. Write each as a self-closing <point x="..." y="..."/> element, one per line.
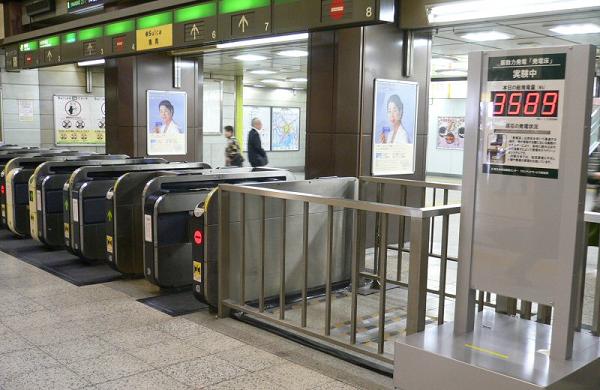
<point x="45" y="187"/>
<point x="124" y="233"/>
<point x="168" y="203"/>
<point x="19" y="170"/>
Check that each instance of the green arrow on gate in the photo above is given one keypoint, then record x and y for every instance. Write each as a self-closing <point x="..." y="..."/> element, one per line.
<point x="109" y="216"/>
<point x="66" y="205"/>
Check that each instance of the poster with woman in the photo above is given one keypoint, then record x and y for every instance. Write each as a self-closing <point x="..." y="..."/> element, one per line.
<point x="394" y="127"/>
<point x="166" y="123"/>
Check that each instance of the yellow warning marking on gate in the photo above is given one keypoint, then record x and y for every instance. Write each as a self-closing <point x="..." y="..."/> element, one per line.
<point x="197" y="272"/>
<point x="487" y="351"/>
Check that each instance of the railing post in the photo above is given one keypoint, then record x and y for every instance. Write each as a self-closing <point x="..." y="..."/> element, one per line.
<point x="357" y="215"/>
<point x="596" y="311"/>
<point x="263" y="250"/>
<point x="282" y="269"/>
<point x="382" y="282"/>
<point x="305" y="246"/>
<point x="223" y="252"/>
<point x="328" y="270"/>
<point x="417" y="275"/>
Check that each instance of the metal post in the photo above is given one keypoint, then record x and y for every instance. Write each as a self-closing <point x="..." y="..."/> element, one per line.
<point x="356" y="216"/>
<point x="261" y="265"/>
<point x="526" y="310"/>
<point x="596" y="311"/>
<point x="375" y="283"/>
<point x="282" y="267"/>
<point x="401" y="229"/>
<point x="382" y="281"/>
<point x="480" y="301"/>
<point x="328" y="270"/>
<point x="544" y="314"/>
<point x="580" y="284"/>
<point x="417" y="276"/>
<point x="304" y="262"/>
<point x="223" y="254"/>
<point x="443" y="263"/>
<point x="243" y="251"/>
<point x="432" y="234"/>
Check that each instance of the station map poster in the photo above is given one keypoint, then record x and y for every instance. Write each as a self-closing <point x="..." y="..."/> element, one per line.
<point x="451" y="132"/>
<point x="285" y="128"/>
<point x="167" y="123"/>
<point x="394" y="127"/>
<point x="79" y="120"/>
<point x="523" y="120"/>
<point x="212" y="114"/>
<point x="264" y="114"/>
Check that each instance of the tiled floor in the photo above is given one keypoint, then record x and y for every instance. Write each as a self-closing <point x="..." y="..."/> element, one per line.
<point x="54" y="335"/>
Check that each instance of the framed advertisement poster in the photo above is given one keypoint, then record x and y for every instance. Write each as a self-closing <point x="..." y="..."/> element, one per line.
<point x="79" y="120"/>
<point x="263" y="113"/>
<point x="451" y="132"/>
<point x="285" y="128"/>
<point x="394" y="127"/>
<point x="166" y="123"/>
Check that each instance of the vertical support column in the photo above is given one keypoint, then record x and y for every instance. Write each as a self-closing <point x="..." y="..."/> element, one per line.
<point x="239" y="110"/>
<point x="417" y="275"/>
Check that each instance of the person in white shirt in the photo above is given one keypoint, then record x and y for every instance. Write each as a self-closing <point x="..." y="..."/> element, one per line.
<point x="168" y="126"/>
<point x="396" y="134"/>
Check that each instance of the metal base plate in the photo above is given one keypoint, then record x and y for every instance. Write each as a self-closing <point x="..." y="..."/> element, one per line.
<point x="502" y="352"/>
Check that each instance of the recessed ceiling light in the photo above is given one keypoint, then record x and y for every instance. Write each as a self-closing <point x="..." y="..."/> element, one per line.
<point x="258" y="86"/>
<point x="264" y="41"/>
<point x="249" y="57"/>
<point x="484" y="36"/>
<point x="262" y="71"/>
<point x="91" y="63"/>
<point x="298" y="80"/>
<point x="293" y="53"/>
<point x="298" y="89"/>
<point x="573" y="29"/>
<point x="270" y="81"/>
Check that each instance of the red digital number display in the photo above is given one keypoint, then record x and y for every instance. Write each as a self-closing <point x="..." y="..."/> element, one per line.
<point x="526" y="103"/>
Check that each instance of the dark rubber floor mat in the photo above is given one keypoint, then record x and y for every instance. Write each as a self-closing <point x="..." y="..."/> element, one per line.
<point x="175" y="303"/>
<point x="58" y="262"/>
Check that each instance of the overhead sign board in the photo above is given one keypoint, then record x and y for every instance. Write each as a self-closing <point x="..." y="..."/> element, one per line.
<point x="119" y="38"/>
<point x="194" y="25"/>
<point x="12" y="57"/>
<point x="244" y="19"/>
<point x="154" y="31"/>
<point x="80" y="6"/>
<point x="197" y="24"/>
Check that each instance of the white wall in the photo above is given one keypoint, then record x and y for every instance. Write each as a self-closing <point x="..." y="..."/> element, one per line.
<point x="39" y="86"/>
<point x="443" y="161"/>
<point x="213" y="145"/>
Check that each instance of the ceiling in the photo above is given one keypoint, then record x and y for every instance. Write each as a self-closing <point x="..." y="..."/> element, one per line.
<point x="450" y="49"/>
<point x="223" y="63"/>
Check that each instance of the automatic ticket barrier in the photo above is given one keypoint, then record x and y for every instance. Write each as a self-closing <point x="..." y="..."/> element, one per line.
<point x="168" y="204"/>
<point x="15" y="199"/>
<point x="46" y="195"/>
<point x="124" y="229"/>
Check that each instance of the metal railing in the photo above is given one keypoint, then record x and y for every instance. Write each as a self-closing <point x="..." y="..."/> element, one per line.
<point x="415" y="222"/>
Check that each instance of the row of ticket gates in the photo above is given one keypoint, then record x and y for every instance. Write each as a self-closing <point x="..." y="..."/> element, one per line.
<point x="143" y="216"/>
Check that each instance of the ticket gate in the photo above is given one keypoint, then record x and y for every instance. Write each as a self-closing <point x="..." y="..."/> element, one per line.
<point x="85" y="196"/>
<point x="124" y="235"/>
<point x="204" y="233"/>
<point x="46" y="199"/>
<point x="15" y="199"/>
<point x="168" y="202"/>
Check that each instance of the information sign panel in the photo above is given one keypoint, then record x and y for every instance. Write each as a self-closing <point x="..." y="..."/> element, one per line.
<point x="28" y="54"/>
<point x="154" y="31"/>
<point x="349" y="12"/>
<point x="12" y="57"/>
<point x="70" y="48"/>
<point x="243" y="19"/>
<point x="195" y="25"/>
<point x="92" y="42"/>
<point x="79" y="120"/>
<point x="49" y="50"/>
<point x="119" y="37"/>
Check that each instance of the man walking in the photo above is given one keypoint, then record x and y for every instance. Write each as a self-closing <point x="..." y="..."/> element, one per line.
<point x="256" y="154"/>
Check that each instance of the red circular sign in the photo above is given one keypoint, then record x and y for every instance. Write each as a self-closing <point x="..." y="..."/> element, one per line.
<point x="337" y="9"/>
<point x="2" y="189"/>
<point x="198" y="238"/>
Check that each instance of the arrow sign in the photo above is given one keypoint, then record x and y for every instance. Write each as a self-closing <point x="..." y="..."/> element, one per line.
<point x="49" y="55"/>
<point x="194" y="31"/>
<point x="109" y="216"/>
<point x="243" y="23"/>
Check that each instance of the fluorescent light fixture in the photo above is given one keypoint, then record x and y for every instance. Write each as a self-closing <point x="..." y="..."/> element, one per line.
<point x="270" y="81"/>
<point x="249" y="57"/>
<point x="298" y="89"/>
<point x="489" y="9"/>
<point x="258" y="86"/>
<point x="573" y="29"/>
<point x="91" y="63"/>
<point x="262" y="71"/>
<point x="298" y="80"/>
<point x="484" y="36"/>
<point x="263" y="41"/>
<point x="293" y="53"/>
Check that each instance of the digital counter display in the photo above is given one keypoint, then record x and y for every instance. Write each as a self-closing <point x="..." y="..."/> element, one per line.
<point x="526" y="103"/>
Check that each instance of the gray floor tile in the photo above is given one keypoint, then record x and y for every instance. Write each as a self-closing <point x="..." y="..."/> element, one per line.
<point x="290" y="375"/>
<point x="58" y="378"/>
<point x="109" y="367"/>
<point x="168" y="353"/>
<point x="137" y="338"/>
<point x="254" y="381"/>
<point x="181" y="328"/>
<point x="203" y="372"/>
<point x="335" y="385"/>
<point x="10" y="342"/>
<point x="250" y="358"/>
<point x="19" y="362"/>
<point x="79" y="349"/>
<point x="149" y="380"/>
<point x="214" y="342"/>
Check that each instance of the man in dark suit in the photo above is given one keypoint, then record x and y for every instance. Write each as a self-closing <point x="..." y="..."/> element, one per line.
<point x="256" y="154"/>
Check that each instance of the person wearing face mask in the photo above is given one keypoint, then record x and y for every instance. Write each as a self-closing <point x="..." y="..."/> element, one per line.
<point x="256" y="154"/>
<point x="396" y="133"/>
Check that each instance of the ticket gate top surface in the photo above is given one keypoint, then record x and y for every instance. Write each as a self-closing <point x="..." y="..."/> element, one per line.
<point x="168" y="202"/>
